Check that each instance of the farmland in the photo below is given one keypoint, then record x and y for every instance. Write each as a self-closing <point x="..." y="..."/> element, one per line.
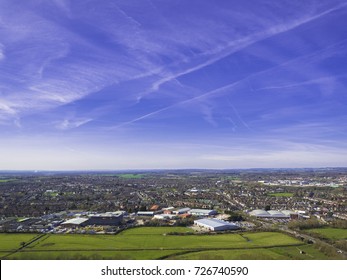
<point x="155" y="243"/>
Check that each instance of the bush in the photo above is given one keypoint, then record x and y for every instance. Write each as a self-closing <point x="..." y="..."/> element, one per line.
<point x="304" y="224"/>
<point x="341" y="244"/>
<point x="339" y="224"/>
<point x="327" y="249"/>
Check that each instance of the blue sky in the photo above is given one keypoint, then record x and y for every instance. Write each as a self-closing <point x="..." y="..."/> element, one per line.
<point x="172" y="84"/>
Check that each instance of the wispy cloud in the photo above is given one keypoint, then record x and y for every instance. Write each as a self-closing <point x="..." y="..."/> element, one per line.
<point x="263" y="78"/>
<point x="72" y="123"/>
<point x="229" y="48"/>
<point x="49" y="74"/>
<point x="2" y="52"/>
<point x="6" y="109"/>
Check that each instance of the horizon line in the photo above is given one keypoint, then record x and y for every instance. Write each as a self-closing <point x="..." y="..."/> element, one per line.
<point x="164" y="169"/>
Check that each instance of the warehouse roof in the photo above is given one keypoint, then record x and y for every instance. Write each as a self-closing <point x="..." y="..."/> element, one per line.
<point x="288" y="212"/>
<point x="271" y="213"/>
<point x="259" y="212"/>
<point x="204" y="211"/>
<point x="183" y="210"/>
<point x="276" y="213"/>
<point x="215" y="223"/>
<point x="75" y="221"/>
<point x="107" y="214"/>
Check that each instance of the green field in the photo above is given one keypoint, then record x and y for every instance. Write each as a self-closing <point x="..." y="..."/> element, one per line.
<point x="52" y="194"/>
<point x="155" y="243"/>
<point x="232" y="178"/>
<point x="130" y="176"/>
<point x="278" y="253"/>
<point x="155" y="230"/>
<point x="12" y="241"/>
<point x="94" y="255"/>
<point x="330" y="233"/>
<point x="284" y="194"/>
<point x="6" y="180"/>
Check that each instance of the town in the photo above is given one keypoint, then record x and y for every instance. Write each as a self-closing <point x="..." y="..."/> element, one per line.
<point x="44" y="201"/>
<point x="204" y="201"/>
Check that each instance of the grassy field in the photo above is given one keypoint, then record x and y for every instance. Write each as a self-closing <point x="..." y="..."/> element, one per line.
<point x="278" y="253"/>
<point x="330" y="233"/>
<point x="130" y="176"/>
<point x="283" y="194"/>
<point x="94" y="255"/>
<point x="52" y="194"/>
<point x="154" y="243"/>
<point x="232" y="178"/>
<point x="6" y="180"/>
<point x="154" y="230"/>
<point x="12" y="241"/>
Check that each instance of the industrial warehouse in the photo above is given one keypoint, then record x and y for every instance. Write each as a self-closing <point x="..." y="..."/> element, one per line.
<point x="215" y="225"/>
<point x="283" y="214"/>
<point x="108" y="218"/>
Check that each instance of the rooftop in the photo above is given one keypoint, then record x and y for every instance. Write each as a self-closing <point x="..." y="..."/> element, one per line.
<point x="75" y="221"/>
<point x="215" y="222"/>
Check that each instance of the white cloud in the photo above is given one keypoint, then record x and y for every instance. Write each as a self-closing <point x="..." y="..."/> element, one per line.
<point x="54" y="63"/>
<point x="6" y="109"/>
<point x="2" y="52"/>
<point x="229" y="47"/>
<point x="72" y="123"/>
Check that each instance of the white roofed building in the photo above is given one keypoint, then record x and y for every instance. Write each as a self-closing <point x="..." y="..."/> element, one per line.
<point x="259" y="213"/>
<point x="165" y="217"/>
<point x="75" y="222"/>
<point x="202" y="212"/>
<point x="276" y="214"/>
<point x="215" y="224"/>
<point x="280" y="214"/>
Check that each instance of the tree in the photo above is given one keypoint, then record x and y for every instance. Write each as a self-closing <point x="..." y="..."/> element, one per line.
<point x="235" y="217"/>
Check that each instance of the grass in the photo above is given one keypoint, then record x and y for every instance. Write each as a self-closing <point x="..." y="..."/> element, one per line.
<point x="154" y="243"/>
<point x="232" y="178"/>
<point x="278" y="253"/>
<point x="94" y="255"/>
<point x="330" y="233"/>
<point x="130" y="176"/>
<point x="155" y="230"/>
<point x="11" y="241"/>
<point x="283" y="194"/>
<point x="6" y="180"/>
<point x="52" y="194"/>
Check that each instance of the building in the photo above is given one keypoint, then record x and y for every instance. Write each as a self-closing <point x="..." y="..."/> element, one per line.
<point x="75" y="222"/>
<point x="202" y="212"/>
<point x="273" y="214"/>
<point x="168" y="210"/>
<point x="165" y="217"/>
<point x="215" y="224"/>
<point x="106" y="219"/>
<point x="181" y="211"/>
<point x="277" y="214"/>
<point x="154" y="207"/>
<point x="145" y="213"/>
